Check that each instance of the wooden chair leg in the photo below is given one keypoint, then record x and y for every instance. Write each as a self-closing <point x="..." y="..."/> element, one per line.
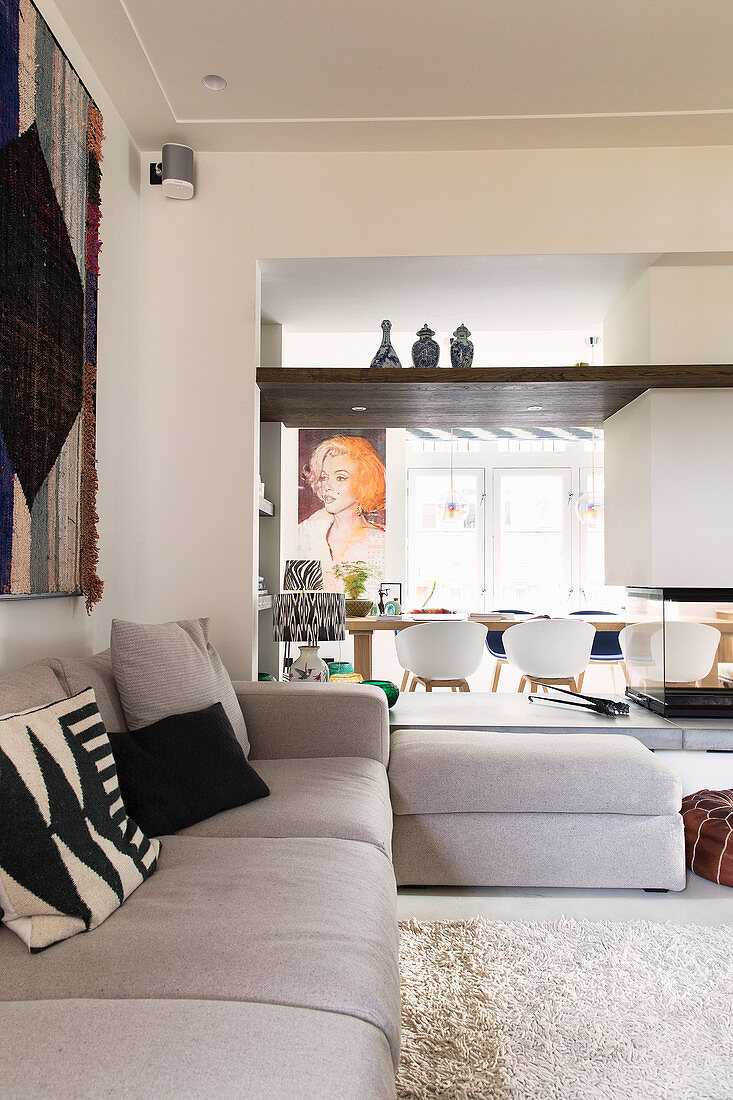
<point x="522" y="682"/>
<point x="613" y="678"/>
<point x="579" y="682"/>
<point x="413" y="685"/>
<point x="533" y="687"/>
<point x="405" y="678"/>
<point x="497" y="674"/>
<point x="625" y="672"/>
<point x="463" y="686"/>
<point x="428" y="685"/>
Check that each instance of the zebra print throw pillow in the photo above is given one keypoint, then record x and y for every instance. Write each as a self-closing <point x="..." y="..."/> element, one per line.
<point x="69" y="854"/>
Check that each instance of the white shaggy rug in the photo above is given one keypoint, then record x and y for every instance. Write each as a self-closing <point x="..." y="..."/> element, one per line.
<point x="566" y="1010"/>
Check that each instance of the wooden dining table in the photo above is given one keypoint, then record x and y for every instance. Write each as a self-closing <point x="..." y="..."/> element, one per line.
<point x="362" y="631"/>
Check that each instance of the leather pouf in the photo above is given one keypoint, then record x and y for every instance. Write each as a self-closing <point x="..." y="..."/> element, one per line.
<point x="708" y="818"/>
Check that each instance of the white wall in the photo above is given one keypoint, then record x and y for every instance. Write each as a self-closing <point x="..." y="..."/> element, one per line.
<point x="673" y="314"/>
<point x="484" y="203"/>
<point x="667" y="460"/>
<point x="627" y="328"/>
<point x="691" y="314"/>
<point x="198" y="432"/>
<point x="38" y="627"/>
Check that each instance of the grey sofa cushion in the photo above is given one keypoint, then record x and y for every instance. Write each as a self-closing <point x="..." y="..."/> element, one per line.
<point x="470" y="771"/>
<point x="198" y="1049"/>
<point x="77" y="673"/>
<point x="170" y="668"/>
<point x="309" y="923"/>
<point x="342" y="797"/>
<point x="34" y="685"/>
<point x="614" y="851"/>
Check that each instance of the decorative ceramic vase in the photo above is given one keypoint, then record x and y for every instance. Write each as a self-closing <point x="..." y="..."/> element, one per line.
<point x="390" y="690"/>
<point x="358" y="609"/>
<point x="425" y="351"/>
<point x="308" y="667"/>
<point x="461" y="348"/>
<point x="386" y="355"/>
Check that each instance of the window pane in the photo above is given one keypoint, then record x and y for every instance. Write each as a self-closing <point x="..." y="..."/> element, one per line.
<point x="444" y="547"/>
<point x="595" y="594"/>
<point x="532" y="541"/>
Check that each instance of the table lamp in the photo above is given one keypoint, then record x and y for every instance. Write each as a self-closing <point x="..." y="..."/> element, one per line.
<point x="307" y="618"/>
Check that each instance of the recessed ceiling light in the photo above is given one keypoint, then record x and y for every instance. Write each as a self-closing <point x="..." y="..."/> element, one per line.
<point x="214" y="83"/>
<point x="358" y="408"/>
<point x="535" y="408"/>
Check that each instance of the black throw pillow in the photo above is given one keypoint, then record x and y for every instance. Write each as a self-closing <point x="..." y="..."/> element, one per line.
<point x="183" y="769"/>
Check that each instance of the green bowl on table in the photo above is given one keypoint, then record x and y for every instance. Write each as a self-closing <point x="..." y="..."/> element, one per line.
<point x="390" y="690"/>
<point x="339" y="667"/>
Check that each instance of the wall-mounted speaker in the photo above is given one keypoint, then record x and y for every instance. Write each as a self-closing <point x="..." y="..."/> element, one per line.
<point x="175" y="171"/>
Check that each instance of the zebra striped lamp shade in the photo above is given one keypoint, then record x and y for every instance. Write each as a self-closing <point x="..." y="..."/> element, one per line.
<point x="308" y="617"/>
<point x="302" y="575"/>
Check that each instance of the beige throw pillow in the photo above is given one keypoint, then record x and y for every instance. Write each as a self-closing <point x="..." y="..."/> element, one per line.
<point x="170" y="668"/>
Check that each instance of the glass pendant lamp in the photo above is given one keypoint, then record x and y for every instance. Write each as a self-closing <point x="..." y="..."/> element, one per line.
<point x="453" y="505"/>
<point x="589" y="505"/>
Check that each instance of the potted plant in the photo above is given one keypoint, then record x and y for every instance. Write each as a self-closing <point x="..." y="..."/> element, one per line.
<point x="355" y="575"/>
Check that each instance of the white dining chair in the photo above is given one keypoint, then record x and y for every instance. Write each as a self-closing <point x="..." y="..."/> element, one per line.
<point x="684" y="652"/>
<point x="635" y="641"/>
<point x="441" y="654"/>
<point x="549" y="651"/>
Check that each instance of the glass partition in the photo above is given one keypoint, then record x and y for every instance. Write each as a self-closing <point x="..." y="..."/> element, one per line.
<point x="677" y="650"/>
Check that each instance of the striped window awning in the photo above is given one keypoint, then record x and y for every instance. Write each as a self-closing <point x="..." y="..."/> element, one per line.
<point x="488" y="435"/>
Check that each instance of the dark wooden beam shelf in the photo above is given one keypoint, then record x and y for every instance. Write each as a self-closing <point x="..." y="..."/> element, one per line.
<point x="481" y="397"/>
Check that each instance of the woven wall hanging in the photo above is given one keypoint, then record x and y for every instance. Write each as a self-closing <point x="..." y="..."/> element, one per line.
<point x="50" y="150"/>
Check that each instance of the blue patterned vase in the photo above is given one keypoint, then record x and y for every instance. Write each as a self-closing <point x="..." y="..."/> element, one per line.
<point x="425" y="351"/>
<point x="386" y="355"/>
<point x="461" y="348"/>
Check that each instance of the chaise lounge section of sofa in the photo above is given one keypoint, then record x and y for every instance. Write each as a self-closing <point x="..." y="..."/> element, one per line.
<point x="261" y="958"/>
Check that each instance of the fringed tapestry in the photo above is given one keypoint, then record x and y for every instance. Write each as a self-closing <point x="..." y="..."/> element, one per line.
<point x="50" y="152"/>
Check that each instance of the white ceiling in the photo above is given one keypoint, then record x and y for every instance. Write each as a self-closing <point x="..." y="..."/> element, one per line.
<point x="397" y="74"/>
<point x="488" y="293"/>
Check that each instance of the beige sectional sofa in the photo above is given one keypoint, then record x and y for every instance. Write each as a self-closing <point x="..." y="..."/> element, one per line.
<point x="261" y="959"/>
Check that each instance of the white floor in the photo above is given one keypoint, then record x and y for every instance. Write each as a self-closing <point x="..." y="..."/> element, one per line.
<point x="701" y="903"/>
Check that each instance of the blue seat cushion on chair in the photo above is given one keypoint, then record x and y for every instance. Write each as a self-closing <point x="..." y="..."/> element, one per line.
<point x="606" y="645"/>
<point x="495" y="638"/>
<point x="495" y="644"/>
